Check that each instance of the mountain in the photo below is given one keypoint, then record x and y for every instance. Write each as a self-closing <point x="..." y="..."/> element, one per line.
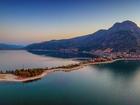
<point x="9" y="47"/>
<point x="120" y="37"/>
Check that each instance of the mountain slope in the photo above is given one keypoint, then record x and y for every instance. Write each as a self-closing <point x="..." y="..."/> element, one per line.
<point x="9" y="47"/>
<point x="121" y="36"/>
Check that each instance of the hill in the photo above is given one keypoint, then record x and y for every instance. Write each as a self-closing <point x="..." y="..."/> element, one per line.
<point x="120" y="37"/>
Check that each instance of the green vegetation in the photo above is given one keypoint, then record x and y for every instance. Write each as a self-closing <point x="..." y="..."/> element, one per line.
<point x="28" y="72"/>
<point x="67" y="66"/>
<point x="24" y="73"/>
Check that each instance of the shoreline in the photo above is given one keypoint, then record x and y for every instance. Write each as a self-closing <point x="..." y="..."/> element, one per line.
<point x="14" y="78"/>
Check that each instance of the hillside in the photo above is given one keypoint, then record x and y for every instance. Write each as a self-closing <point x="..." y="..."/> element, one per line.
<point x="120" y="37"/>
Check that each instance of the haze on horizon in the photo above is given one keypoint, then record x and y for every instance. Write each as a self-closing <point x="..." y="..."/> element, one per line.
<point x="28" y="21"/>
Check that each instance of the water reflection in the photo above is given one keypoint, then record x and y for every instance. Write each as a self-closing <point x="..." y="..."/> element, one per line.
<point x="106" y="84"/>
<point x="61" y="54"/>
<point x="120" y="68"/>
<point x="11" y="60"/>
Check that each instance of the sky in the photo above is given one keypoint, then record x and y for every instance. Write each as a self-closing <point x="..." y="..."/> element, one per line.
<point x="28" y="21"/>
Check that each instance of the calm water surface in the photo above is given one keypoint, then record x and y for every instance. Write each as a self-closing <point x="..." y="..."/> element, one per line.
<point x="107" y="84"/>
<point x="11" y="60"/>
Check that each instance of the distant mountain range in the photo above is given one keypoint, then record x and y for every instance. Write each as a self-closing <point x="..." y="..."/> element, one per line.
<point x="120" y="37"/>
<point x="9" y="47"/>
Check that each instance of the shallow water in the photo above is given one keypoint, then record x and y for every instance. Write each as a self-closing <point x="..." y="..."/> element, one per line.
<point x="107" y="84"/>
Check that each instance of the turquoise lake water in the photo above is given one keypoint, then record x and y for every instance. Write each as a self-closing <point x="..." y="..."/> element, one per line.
<point x="107" y="84"/>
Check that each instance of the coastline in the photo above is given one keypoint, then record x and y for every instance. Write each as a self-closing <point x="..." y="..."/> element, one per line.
<point x="13" y="78"/>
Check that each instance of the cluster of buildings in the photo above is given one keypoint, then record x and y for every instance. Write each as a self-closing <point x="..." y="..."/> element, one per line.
<point x="107" y="53"/>
<point x="112" y="54"/>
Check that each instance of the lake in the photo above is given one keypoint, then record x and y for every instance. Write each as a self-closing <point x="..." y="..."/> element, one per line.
<point x="107" y="84"/>
<point x="11" y="60"/>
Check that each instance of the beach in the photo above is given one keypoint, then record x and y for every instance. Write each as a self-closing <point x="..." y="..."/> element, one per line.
<point x="13" y="78"/>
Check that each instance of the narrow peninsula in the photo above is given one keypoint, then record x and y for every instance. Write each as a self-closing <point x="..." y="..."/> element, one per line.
<point x="26" y="75"/>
